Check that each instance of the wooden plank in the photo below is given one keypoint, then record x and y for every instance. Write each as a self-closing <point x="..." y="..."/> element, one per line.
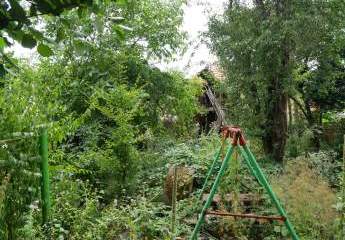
<point x="216" y="106"/>
<point x="241" y="215"/>
<point x="243" y="197"/>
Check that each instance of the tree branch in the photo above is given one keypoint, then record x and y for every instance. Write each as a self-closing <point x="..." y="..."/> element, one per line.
<point x="300" y="106"/>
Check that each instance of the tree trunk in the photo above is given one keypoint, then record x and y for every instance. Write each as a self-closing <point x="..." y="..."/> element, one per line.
<point x="290" y="119"/>
<point x="275" y="136"/>
<point x="276" y="133"/>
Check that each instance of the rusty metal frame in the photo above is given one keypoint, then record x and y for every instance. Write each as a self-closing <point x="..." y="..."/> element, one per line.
<point x="234" y="133"/>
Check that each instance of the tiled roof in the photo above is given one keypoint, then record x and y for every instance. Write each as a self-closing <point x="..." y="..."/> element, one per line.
<point x="216" y="71"/>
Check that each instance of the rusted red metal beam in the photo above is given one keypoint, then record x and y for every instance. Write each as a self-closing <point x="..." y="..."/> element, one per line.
<point x="235" y="133"/>
<point x="240" y="215"/>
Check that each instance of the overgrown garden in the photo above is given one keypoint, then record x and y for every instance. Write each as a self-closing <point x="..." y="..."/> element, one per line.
<point x="117" y="125"/>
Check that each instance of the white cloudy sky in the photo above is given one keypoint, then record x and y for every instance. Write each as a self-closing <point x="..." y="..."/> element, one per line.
<point x="196" y="14"/>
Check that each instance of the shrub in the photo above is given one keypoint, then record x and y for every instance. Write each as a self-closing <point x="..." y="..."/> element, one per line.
<point x="299" y="143"/>
<point x="328" y="165"/>
<point x="308" y="199"/>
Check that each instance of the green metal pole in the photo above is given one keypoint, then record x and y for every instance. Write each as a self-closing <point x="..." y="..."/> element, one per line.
<point x="216" y="158"/>
<point x="270" y="192"/>
<point x="43" y="149"/>
<point x="342" y="219"/>
<point x="173" y="204"/>
<point x="252" y="171"/>
<point x="212" y="193"/>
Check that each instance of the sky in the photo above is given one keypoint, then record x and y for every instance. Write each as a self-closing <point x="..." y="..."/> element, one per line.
<point x="198" y="55"/>
<point x="196" y="15"/>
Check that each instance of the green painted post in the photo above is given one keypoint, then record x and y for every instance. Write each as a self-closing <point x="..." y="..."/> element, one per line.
<point x="270" y="192"/>
<point x="173" y="204"/>
<point x="252" y="171"/>
<point x="43" y="150"/>
<point x="212" y="193"/>
<point x="342" y="219"/>
<point x="209" y="173"/>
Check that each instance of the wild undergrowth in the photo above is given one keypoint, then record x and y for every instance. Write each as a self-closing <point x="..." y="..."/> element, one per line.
<point x="308" y="198"/>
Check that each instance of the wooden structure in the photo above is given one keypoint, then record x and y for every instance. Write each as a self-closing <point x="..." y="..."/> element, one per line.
<point x="214" y="116"/>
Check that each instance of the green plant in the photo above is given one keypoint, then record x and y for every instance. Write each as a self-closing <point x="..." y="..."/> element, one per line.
<point x="266" y="50"/>
<point x="299" y="143"/>
<point x="328" y="165"/>
<point x="308" y="198"/>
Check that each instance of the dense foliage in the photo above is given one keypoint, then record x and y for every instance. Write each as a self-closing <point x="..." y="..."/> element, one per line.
<point x="275" y="50"/>
<point x="117" y="124"/>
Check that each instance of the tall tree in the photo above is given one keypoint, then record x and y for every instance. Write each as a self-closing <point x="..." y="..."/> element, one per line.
<point x="17" y="24"/>
<point x="101" y="98"/>
<point x="259" y="46"/>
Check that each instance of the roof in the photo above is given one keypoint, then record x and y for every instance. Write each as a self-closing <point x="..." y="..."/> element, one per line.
<point x="216" y="70"/>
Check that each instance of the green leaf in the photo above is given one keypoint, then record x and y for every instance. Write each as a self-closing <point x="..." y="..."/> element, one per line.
<point x="16" y="34"/>
<point x="80" y="47"/>
<point x="120" y="32"/>
<point x="60" y="34"/>
<point x="44" y="50"/>
<point x="36" y="34"/>
<point x="82" y="11"/>
<point x="12" y="61"/>
<point x="28" y="41"/>
<point x="121" y="2"/>
<point x="2" y="44"/>
<point x="99" y="24"/>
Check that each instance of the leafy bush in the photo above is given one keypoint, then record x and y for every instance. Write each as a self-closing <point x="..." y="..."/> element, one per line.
<point x="299" y="142"/>
<point x="78" y="214"/>
<point x="308" y="198"/>
<point x="19" y="164"/>
<point x="97" y="130"/>
<point x="328" y="165"/>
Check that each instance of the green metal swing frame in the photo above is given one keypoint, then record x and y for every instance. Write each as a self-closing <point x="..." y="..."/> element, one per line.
<point x="238" y="141"/>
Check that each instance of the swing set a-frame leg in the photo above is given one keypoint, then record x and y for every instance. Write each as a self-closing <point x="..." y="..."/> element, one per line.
<point x="249" y="165"/>
<point x="237" y="137"/>
<point x="210" y="171"/>
<point x="212" y="193"/>
<point x="262" y="179"/>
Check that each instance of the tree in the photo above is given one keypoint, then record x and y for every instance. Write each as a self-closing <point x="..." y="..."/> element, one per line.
<point x="136" y="27"/>
<point x="19" y="156"/>
<point x="22" y="22"/>
<point x="323" y="85"/>
<point x="260" y="46"/>
<point x="320" y="88"/>
<point x="17" y="23"/>
<point x="102" y="100"/>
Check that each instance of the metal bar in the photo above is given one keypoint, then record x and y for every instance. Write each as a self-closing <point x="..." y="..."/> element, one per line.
<point x="270" y="192"/>
<point x="212" y="193"/>
<point x="342" y="219"/>
<point x="209" y="173"/>
<point x="251" y="169"/>
<point x="241" y="215"/>
<point x="173" y="201"/>
<point x="43" y="150"/>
